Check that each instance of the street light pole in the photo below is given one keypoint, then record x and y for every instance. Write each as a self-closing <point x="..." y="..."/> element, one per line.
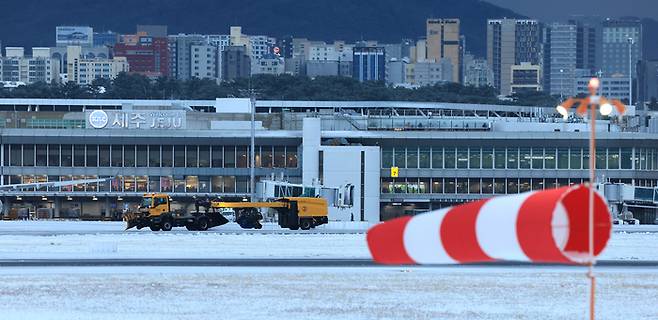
<point x="252" y="150"/>
<point x="561" y="84"/>
<point x="631" y="41"/>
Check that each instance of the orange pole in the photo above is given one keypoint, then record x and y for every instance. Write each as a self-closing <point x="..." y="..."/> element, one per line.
<point x="592" y="177"/>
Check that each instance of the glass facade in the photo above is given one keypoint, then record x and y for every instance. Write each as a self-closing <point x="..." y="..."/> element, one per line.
<point x="485" y="186"/>
<point x="191" y="156"/>
<point x="518" y="158"/>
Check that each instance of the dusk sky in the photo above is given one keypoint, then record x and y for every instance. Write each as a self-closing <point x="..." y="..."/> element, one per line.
<point x="558" y="9"/>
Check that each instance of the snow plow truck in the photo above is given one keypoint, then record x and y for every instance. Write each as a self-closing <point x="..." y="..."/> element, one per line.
<point x="294" y="213"/>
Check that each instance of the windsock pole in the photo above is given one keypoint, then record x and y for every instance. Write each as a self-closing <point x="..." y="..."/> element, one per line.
<point x="592" y="177"/>
<point x="606" y="107"/>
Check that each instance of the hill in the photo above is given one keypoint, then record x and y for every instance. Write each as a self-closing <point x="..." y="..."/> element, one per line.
<point x="32" y="22"/>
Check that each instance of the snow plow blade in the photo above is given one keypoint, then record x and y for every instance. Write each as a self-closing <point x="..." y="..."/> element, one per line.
<point x="130" y="220"/>
<point x="221" y="220"/>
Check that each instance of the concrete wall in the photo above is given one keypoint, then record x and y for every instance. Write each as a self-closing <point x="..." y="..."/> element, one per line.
<point x="310" y="147"/>
<point x="342" y="165"/>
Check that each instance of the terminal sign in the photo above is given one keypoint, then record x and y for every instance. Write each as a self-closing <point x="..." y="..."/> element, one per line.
<point x="143" y="120"/>
<point x="395" y="171"/>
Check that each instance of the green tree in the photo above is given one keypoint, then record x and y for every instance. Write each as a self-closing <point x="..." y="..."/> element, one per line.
<point x="132" y="86"/>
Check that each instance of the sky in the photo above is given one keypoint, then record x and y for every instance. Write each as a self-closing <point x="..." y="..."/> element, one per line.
<point x="555" y="10"/>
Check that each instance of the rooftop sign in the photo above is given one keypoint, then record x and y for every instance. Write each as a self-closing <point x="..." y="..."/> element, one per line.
<point x="140" y="120"/>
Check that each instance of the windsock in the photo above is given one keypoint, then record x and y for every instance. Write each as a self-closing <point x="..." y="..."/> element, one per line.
<point x="549" y="226"/>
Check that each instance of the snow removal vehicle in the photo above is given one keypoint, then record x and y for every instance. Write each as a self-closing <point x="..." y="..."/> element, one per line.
<point x="155" y="212"/>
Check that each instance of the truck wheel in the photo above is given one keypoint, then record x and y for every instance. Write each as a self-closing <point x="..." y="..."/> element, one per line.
<point x="202" y="224"/>
<point x="306" y="224"/>
<point x="154" y="228"/>
<point x="166" y="225"/>
<point x="190" y="227"/>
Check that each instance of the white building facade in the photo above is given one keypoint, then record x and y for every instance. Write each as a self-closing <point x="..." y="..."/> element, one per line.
<point x="17" y="67"/>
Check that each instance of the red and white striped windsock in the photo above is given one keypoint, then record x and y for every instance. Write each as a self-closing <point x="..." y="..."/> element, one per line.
<point x="549" y="226"/>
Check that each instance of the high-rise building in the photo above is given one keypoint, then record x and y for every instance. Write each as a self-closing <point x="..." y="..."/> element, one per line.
<point x="619" y="38"/>
<point x="236" y="63"/>
<point x="397" y="55"/>
<point x="443" y="42"/>
<point x="419" y="51"/>
<point x="563" y="39"/>
<point x="84" y="71"/>
<point x="285" y="45"/>
<point x="428" y="73"/>
<point x="218" y="42"/>
<point x="526" y="77"/>
<point x="17" y="67"/>
<point x="205" y="61"/>
<point x="257" y="46"/>
<point x="146" y="54"/>
<point x="511" y="42"/>
<point x="587" y="50"/>
<point x="261" y="45"/>
<point x="570" y="50"/>
<point x="180" y="52"/>
<point x="477" y="72"/>
<point x="369" y="64"/>
<point x="611" y="87"/>
<point x="327" y="59"/>
<point x="268" y="64"/>
<point x="396" y="74"/>
<point x="60" y="53"/>
<point x="648" y="81"/>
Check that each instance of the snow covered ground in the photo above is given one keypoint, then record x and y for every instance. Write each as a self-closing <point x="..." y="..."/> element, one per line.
<point x="45" y="227"/>
<point x="229" y="244"/>
<point x="103" y="293"/>
<point x="323" y="293"/>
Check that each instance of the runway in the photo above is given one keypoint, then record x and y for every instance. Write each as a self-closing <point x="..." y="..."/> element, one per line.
<point x="282" y="263"/>
<point x="58" y="228"/>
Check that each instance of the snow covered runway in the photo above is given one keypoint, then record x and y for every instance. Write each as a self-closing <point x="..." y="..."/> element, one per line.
<point x="323" y="293"/>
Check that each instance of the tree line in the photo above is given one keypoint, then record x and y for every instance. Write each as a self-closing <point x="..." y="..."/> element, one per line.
<point x="270" y="87"/>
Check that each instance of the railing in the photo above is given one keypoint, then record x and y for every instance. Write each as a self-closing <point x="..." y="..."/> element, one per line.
<point x="428" y="124"/>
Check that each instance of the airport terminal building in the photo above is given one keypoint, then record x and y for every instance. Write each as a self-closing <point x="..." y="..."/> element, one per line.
<point x="446" y="153"/>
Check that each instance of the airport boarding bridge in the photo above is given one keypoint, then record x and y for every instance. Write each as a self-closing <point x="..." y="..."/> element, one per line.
<point x="337" y="197"/>
<point x="630" y="204"/>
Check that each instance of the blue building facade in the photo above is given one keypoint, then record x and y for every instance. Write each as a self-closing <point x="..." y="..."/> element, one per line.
<point x="369" y="63"/>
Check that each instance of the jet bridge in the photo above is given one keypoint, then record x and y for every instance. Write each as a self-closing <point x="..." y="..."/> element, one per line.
<point x="337" y="197"/>
<point x="631" y="204"/>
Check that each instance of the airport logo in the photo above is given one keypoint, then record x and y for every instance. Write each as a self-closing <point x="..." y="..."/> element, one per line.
<point x="98" y="119"/>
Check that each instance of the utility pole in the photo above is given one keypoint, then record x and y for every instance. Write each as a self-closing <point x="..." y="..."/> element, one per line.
<point x="251" y="93"/>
